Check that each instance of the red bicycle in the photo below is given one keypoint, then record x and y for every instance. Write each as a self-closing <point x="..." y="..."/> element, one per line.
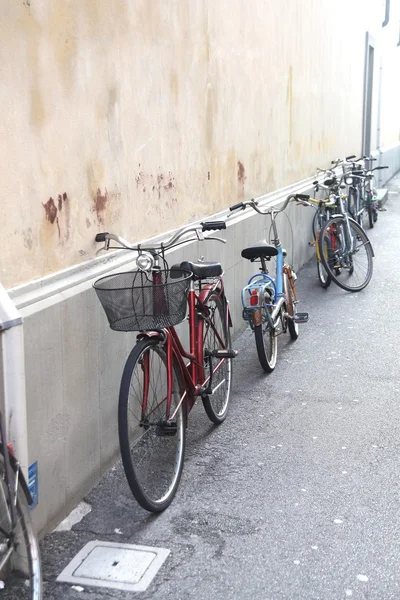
<point x="162" y="379"/>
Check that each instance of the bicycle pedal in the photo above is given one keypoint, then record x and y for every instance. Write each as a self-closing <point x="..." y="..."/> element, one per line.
<point x="300" y="317"/>
<point x="228" y="353"/>
<point x="167" y="429"/>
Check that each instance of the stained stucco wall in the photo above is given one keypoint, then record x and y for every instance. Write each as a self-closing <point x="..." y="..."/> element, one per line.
<point x="139" y="116"/>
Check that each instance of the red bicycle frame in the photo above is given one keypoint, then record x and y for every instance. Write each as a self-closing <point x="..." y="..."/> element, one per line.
<point x="192" y="371"/>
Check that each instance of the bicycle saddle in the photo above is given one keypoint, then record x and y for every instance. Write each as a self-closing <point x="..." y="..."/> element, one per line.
<point x="259" y="250"/>
<point x="200" y="270"/>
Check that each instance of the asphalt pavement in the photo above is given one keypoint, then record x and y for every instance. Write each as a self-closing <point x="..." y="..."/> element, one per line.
<point x="296" y="495"/>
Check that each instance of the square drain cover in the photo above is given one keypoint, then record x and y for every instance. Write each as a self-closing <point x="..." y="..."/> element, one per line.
<point x="112" y="565"/>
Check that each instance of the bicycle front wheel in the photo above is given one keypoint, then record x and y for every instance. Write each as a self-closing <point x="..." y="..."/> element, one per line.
<point x="319" y="221"/>
<point x="323" y="276"/>
<point x="349" y="259"/>
<point x="19" y="547"/>
<point x="216" y="336"/>
<point x="151" y="436"/>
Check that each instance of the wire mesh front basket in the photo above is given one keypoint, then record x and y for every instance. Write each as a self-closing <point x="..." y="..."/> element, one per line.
<point x="138" y="301"/>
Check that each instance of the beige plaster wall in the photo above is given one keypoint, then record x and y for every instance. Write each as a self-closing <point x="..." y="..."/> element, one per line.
<point x="140" y="115"/>
<point x="390" y="87"/>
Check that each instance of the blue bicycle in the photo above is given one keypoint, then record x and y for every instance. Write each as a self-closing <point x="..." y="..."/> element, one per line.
<point x="269" y="305"/>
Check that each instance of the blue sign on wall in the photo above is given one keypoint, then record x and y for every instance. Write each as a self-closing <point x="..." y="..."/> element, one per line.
<point x="33" y="483"/>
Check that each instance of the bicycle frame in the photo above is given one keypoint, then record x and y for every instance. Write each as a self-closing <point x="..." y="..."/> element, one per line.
<point x="193" y="371"/>
<point x="260" y="280"/>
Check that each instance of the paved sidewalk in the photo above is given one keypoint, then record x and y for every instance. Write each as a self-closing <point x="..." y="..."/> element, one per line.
<point x="296" y="495"/>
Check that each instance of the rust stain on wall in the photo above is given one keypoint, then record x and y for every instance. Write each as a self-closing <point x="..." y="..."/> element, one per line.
<point x="158" y="185"/>
<point x="100" y="203"/>
<point x="59" y="214"/>
<point x="51" y="210"/>
<point x="104" y="202"/>
<point x="241" y="175"/>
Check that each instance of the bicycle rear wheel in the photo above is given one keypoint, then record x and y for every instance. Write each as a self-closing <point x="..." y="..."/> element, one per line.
<point x="216" y="336"/>
<point x="293" y="327"/>
<point x="349" y="260"/>
<point x="372" y="212"/>
<point x="266" y="344"/>
<point x="152" y="441"/>
<point x="20" y="566"/>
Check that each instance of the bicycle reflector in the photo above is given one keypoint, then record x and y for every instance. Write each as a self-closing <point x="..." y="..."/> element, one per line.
<point x="254" y="298"/>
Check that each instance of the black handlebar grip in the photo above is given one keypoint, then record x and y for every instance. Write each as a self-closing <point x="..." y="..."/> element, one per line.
<point x="358" y="172"/>
<point x="211" y="225"/>
<point x="302" y="196"/>
<point x="350" y="157"/>
<point x="235" y="206"/>
<point x="380" y="168"/>
<point x="315" y="182"/>
<point x="101" y="237"/>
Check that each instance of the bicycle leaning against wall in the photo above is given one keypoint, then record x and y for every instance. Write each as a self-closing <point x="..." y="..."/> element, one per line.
<point x="269" y="305"/>
<point x="344" y="248"/>
<point x="162" y="380"/>
<point x="19" y="546"/>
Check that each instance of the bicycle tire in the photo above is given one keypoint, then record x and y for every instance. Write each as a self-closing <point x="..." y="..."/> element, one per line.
<point x="370" y="214"/>
<point x="348" y="273"/>
<point x="216" y="404"/>
<point x="319" y="221"/>
<point x="24" y="561"/>
<point x="324" y="277"/>
<point x="266" y="344"/>
<point x="354" y="206"/>
<point x="153" y="460"/>
<point x="293" y="327"/>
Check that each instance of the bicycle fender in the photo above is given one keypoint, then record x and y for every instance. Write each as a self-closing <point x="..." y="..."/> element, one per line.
<point x="149" y="335"/>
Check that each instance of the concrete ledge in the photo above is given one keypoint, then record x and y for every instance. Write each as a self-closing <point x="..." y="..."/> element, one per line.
<point x="382" y="196"/>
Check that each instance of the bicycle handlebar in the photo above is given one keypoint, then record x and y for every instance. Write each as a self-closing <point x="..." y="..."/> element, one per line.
<point x="272" y="211"/>
<point x="199" y="229"/>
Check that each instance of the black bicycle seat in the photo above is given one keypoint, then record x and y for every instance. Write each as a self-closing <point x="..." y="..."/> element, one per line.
<point x="201" y="270"/>
<point x="260" y="250"/>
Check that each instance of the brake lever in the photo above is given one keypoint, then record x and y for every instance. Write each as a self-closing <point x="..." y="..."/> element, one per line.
<point x="217" y="239"/>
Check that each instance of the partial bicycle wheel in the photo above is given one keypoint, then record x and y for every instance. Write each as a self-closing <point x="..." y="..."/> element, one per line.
<point x="20" y="566"/>
<point x="353" y="204"/>
<point x="293" y="327"/>
<point x="152" y="439"/>
<point x="216" y="335"/>
<point x="266" y="343"/>
<point x="324" y="278"/>
<point x="319" y="221"/>
<point x="350" y="261"/>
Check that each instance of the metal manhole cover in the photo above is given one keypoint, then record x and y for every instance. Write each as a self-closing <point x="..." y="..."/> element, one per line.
<point x="112" y="565"/>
